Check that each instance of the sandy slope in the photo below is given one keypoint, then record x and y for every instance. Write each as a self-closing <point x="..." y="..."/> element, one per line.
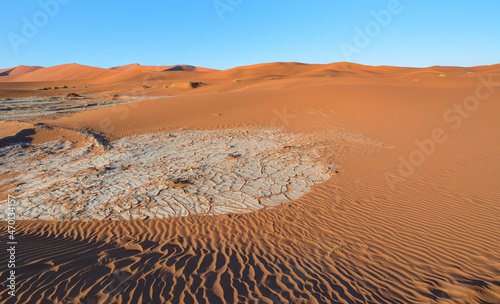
<point x="22" y="69"/>
<point x="370" y="234"/>
<point x="162" y="68"/>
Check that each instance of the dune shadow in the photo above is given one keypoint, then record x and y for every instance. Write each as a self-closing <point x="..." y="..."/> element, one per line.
<point x="22" y="136"/>
<point x="58" y="268"/>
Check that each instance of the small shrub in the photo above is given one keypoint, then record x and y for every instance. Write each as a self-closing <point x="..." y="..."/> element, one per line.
<point x="236" y="80"/>
<point x="55" y="88"/>
<point x="85" y="87"/>
<point x="188" y="84"/>
<point x="194" y="85"/>
<point x="65" y="86"/>
<point x="165" y="86"/>
<point x="234" y="155"/>
<point x="442" y="75"/>
<point x="146" y="87"/>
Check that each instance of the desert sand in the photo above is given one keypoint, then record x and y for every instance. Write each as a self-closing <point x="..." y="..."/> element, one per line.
<point x="271" y="183"/>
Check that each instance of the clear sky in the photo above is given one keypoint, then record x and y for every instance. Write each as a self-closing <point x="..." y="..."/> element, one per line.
<point x="227" y="33"/>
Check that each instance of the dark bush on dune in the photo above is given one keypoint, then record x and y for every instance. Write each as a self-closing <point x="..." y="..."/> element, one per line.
<point x="72" y="95"/>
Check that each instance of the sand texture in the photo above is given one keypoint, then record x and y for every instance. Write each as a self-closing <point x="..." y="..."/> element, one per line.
<point x="271" y="183"/>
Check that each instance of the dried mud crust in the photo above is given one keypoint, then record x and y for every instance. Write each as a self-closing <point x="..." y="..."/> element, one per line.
<point x="29" y="108"/>
<point x="162" y="175"/>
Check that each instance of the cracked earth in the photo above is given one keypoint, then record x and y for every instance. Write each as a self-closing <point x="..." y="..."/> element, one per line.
<point x="14" y="109"/>
<point x="161" y="175"/>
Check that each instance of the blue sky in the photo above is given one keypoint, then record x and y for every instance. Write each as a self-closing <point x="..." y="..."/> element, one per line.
<point x="227" y="33"/>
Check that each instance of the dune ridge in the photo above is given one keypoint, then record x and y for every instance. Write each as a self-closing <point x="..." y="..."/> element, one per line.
<point x="81" y="72"/>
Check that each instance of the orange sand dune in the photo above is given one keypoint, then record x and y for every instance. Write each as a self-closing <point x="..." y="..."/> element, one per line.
<point x="135" y="65"/>
<point x="191" y="68"/>
<point x="162" y="68"/>
<point x="268" y="71"/>
<point x="22" y="69"/>
<point x="70" y="71"/>
<point x="130" y="74"/>
<point x="411" y="216"/>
